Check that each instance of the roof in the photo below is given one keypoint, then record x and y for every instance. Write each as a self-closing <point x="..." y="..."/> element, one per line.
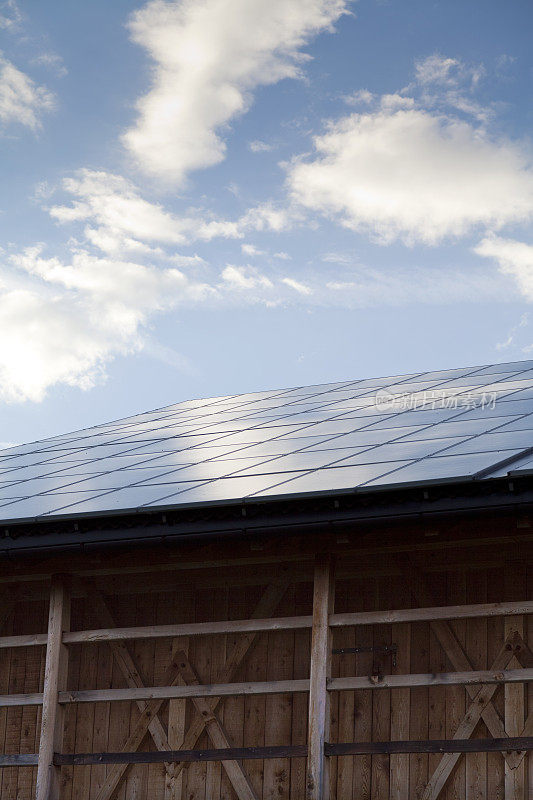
<point x="444" y="426"/>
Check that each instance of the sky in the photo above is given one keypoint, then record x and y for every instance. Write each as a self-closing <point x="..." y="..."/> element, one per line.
<point x="208" y="197"/>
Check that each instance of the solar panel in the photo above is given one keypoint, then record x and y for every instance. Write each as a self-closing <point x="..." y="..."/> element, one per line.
<point x="356" y="435"/>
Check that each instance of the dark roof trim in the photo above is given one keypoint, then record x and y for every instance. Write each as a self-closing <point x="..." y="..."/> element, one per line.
<point x="294" y="515"/>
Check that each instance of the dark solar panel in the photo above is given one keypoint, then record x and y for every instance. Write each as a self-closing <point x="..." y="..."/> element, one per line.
<point x="444" y="425"/>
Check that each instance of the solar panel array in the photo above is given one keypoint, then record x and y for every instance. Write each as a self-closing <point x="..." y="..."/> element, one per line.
<point x="458" y="424"/>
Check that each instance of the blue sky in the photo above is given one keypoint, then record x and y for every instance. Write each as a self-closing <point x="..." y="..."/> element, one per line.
<point x="208" y="197"/>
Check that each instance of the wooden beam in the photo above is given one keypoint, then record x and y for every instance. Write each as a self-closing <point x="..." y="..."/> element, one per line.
<point x="317" y="780"/>
<point x="168" y="692"/>
<point x="239" y="780"/>
<point x="55" y="680"/>
<point x="111" y="633"/>
<point x="469" y="679"/>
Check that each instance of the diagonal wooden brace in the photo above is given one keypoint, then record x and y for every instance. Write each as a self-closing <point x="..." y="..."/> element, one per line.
<point x="470" y="720"/>
<point x="215" y="731"/>
<point x="126" y="664"/>
<point x="266" y="606"/>
<point x="453" y="649"/>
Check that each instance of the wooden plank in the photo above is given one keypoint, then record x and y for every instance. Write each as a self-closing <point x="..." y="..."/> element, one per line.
<point x="55" y="678"/>
<point x="317" y="783"/>
<point x="381" y="708"/>
<point x="418" y="708"/>
<point x="400" y="703"/>
<point x="278" y="710"/>
<point x="102" y="715"/>
<point x="469" y="679"/>
<point x="110" y="633"/>
<point x="456" y="697"/>
<point x="495" y="762"/>
<point x="302" y="649"/>
<point x="364" y="637"/>
<point x="515" y="778"/>
<point x="30" y="616"/>
<point x="177" y="709"/>
<point x="437" y="662"/>
<point x="17" y="669"/>
<point x="476" y="647"/>
<point x="215" y="731"/>
<point x="344" y="638"/>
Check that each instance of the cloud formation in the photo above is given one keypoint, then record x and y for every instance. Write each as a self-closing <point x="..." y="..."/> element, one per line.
<point x="209" y="57"/>
<point x="402" y="172"/>
<point x="66" y="319"/>
<point x="119" y="220"/>
<point x="513" y="258"/>
<point x="22" y="101"/>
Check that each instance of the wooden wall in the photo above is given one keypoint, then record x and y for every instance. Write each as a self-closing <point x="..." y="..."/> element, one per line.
<point x="379" y="715"/>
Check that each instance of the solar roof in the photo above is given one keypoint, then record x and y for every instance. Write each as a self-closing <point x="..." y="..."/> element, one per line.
<point x="448" y="425"/>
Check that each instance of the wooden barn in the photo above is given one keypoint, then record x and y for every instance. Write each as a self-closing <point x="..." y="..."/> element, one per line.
<point x="321" y="592"/>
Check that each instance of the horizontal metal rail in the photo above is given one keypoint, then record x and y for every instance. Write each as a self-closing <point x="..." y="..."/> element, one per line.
<point x="508" y="744"/>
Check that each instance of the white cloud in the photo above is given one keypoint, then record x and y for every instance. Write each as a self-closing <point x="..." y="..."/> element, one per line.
<point x="22" y="101"/>
<point x="51" y="61"/>
<point x="260" y="147"/>
<point x="119" y="212"/>
<point x="513" y="258"/>
<point x="362" y="97"/>
<point x="251" y="250"/>
<point x="65" y="320"/>
<point x="301" y="288"/>
<point x="245" y="278"/>
<point x="437" y="69"/>
<point x="210" y="55"/>
<point x="10" y="15"/>
<point x="414" y="175"/>
<point x="120" y="221"/>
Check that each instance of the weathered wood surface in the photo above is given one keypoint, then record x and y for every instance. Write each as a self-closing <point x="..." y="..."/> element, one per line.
<point x="439" y="714"/>
<point x="55" y="679"/>
<point x="117" y="633"/>
<point x="317" y="781"/>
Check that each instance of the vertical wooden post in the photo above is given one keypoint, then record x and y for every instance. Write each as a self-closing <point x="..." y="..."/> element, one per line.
<point x="317" y="783"/>
<point x="55" y="680"/>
